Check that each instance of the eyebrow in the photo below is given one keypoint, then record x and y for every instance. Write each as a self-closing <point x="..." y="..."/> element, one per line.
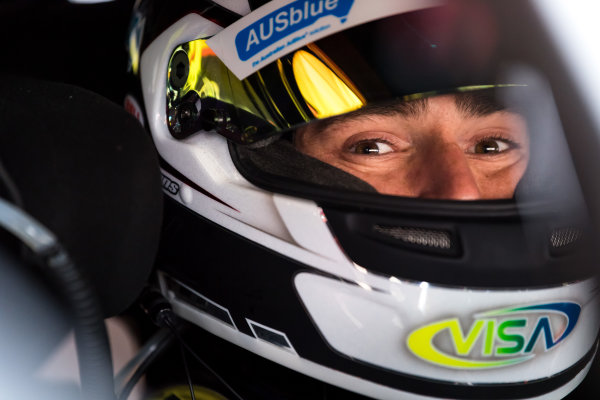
<point x="470" y="104"/>
<point x="478" y="104"/>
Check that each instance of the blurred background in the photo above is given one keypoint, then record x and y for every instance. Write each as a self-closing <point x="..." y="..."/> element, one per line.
<point x="77" y="42"/>
<point x="80" y="43"/>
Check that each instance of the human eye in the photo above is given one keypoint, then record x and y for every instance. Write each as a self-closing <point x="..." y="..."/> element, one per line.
<point x="371" y="147"/>
<point x="493" y="146"/>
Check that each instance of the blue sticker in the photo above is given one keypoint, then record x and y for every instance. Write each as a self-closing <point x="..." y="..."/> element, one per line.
<point x="286" y="21"/>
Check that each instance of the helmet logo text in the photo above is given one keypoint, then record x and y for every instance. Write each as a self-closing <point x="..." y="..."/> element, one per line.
<point x="495" y="338"/>
<point x="286" y="21"/>
<point x="169" y="185"/>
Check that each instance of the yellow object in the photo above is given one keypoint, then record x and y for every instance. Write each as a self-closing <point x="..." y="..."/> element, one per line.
<point x="324" y="92"/>
<point x="182" y="392"/>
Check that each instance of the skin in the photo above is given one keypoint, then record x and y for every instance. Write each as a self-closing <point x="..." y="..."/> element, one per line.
<point x="435" y="148"/>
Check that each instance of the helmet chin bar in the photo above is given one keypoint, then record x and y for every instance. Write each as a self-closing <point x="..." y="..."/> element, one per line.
<point x="329" y="343"/>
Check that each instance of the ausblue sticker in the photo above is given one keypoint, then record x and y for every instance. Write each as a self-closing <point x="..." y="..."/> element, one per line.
<point x="286" y="21"/>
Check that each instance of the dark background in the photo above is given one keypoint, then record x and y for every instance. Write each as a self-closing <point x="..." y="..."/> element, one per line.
<point x="79" y="44"/>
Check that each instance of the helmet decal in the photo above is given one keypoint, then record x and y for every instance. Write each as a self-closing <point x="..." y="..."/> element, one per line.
<point x="281" y="26"/>
<point x="285" y="22"/>
<point x="504" y="341"/>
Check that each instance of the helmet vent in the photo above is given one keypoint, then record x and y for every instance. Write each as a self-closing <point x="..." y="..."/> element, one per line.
<point x="417" y="236"/>
<point x="562" y="237"/>
<point x="270" y="335"/>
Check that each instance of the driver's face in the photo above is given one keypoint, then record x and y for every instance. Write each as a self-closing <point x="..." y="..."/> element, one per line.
<point x="445" y="147"/>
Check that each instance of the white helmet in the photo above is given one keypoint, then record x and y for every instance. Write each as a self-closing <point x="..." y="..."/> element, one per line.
<point x="395" y="197"/>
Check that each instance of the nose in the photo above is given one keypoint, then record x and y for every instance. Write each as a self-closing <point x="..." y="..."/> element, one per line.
<point x="445" y="174"/>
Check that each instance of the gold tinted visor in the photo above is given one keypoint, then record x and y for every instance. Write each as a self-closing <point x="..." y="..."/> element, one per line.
<point x="202" y="94"/>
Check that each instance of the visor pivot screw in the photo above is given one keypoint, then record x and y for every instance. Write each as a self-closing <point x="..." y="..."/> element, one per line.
<point x="179" y="70"/>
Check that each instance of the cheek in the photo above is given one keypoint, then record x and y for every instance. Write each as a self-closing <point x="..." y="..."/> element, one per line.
<point x="389" y="180"/>
<point x="394" y="187"/>
<point x="500" y="184"/>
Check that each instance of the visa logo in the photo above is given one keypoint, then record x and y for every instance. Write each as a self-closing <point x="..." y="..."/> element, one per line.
<point x="506" y="337"/>
<point x="286" y="21"/>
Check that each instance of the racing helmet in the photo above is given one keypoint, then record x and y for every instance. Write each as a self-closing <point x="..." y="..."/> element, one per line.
<point x="283" y="236"/>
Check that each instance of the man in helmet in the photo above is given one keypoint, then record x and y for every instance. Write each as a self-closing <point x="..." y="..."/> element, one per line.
<point x="313" y="150"/>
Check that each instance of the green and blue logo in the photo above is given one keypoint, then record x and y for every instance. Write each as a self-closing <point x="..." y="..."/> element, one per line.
<point x="286" y="21"/>
<point x="495" y="338"/>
